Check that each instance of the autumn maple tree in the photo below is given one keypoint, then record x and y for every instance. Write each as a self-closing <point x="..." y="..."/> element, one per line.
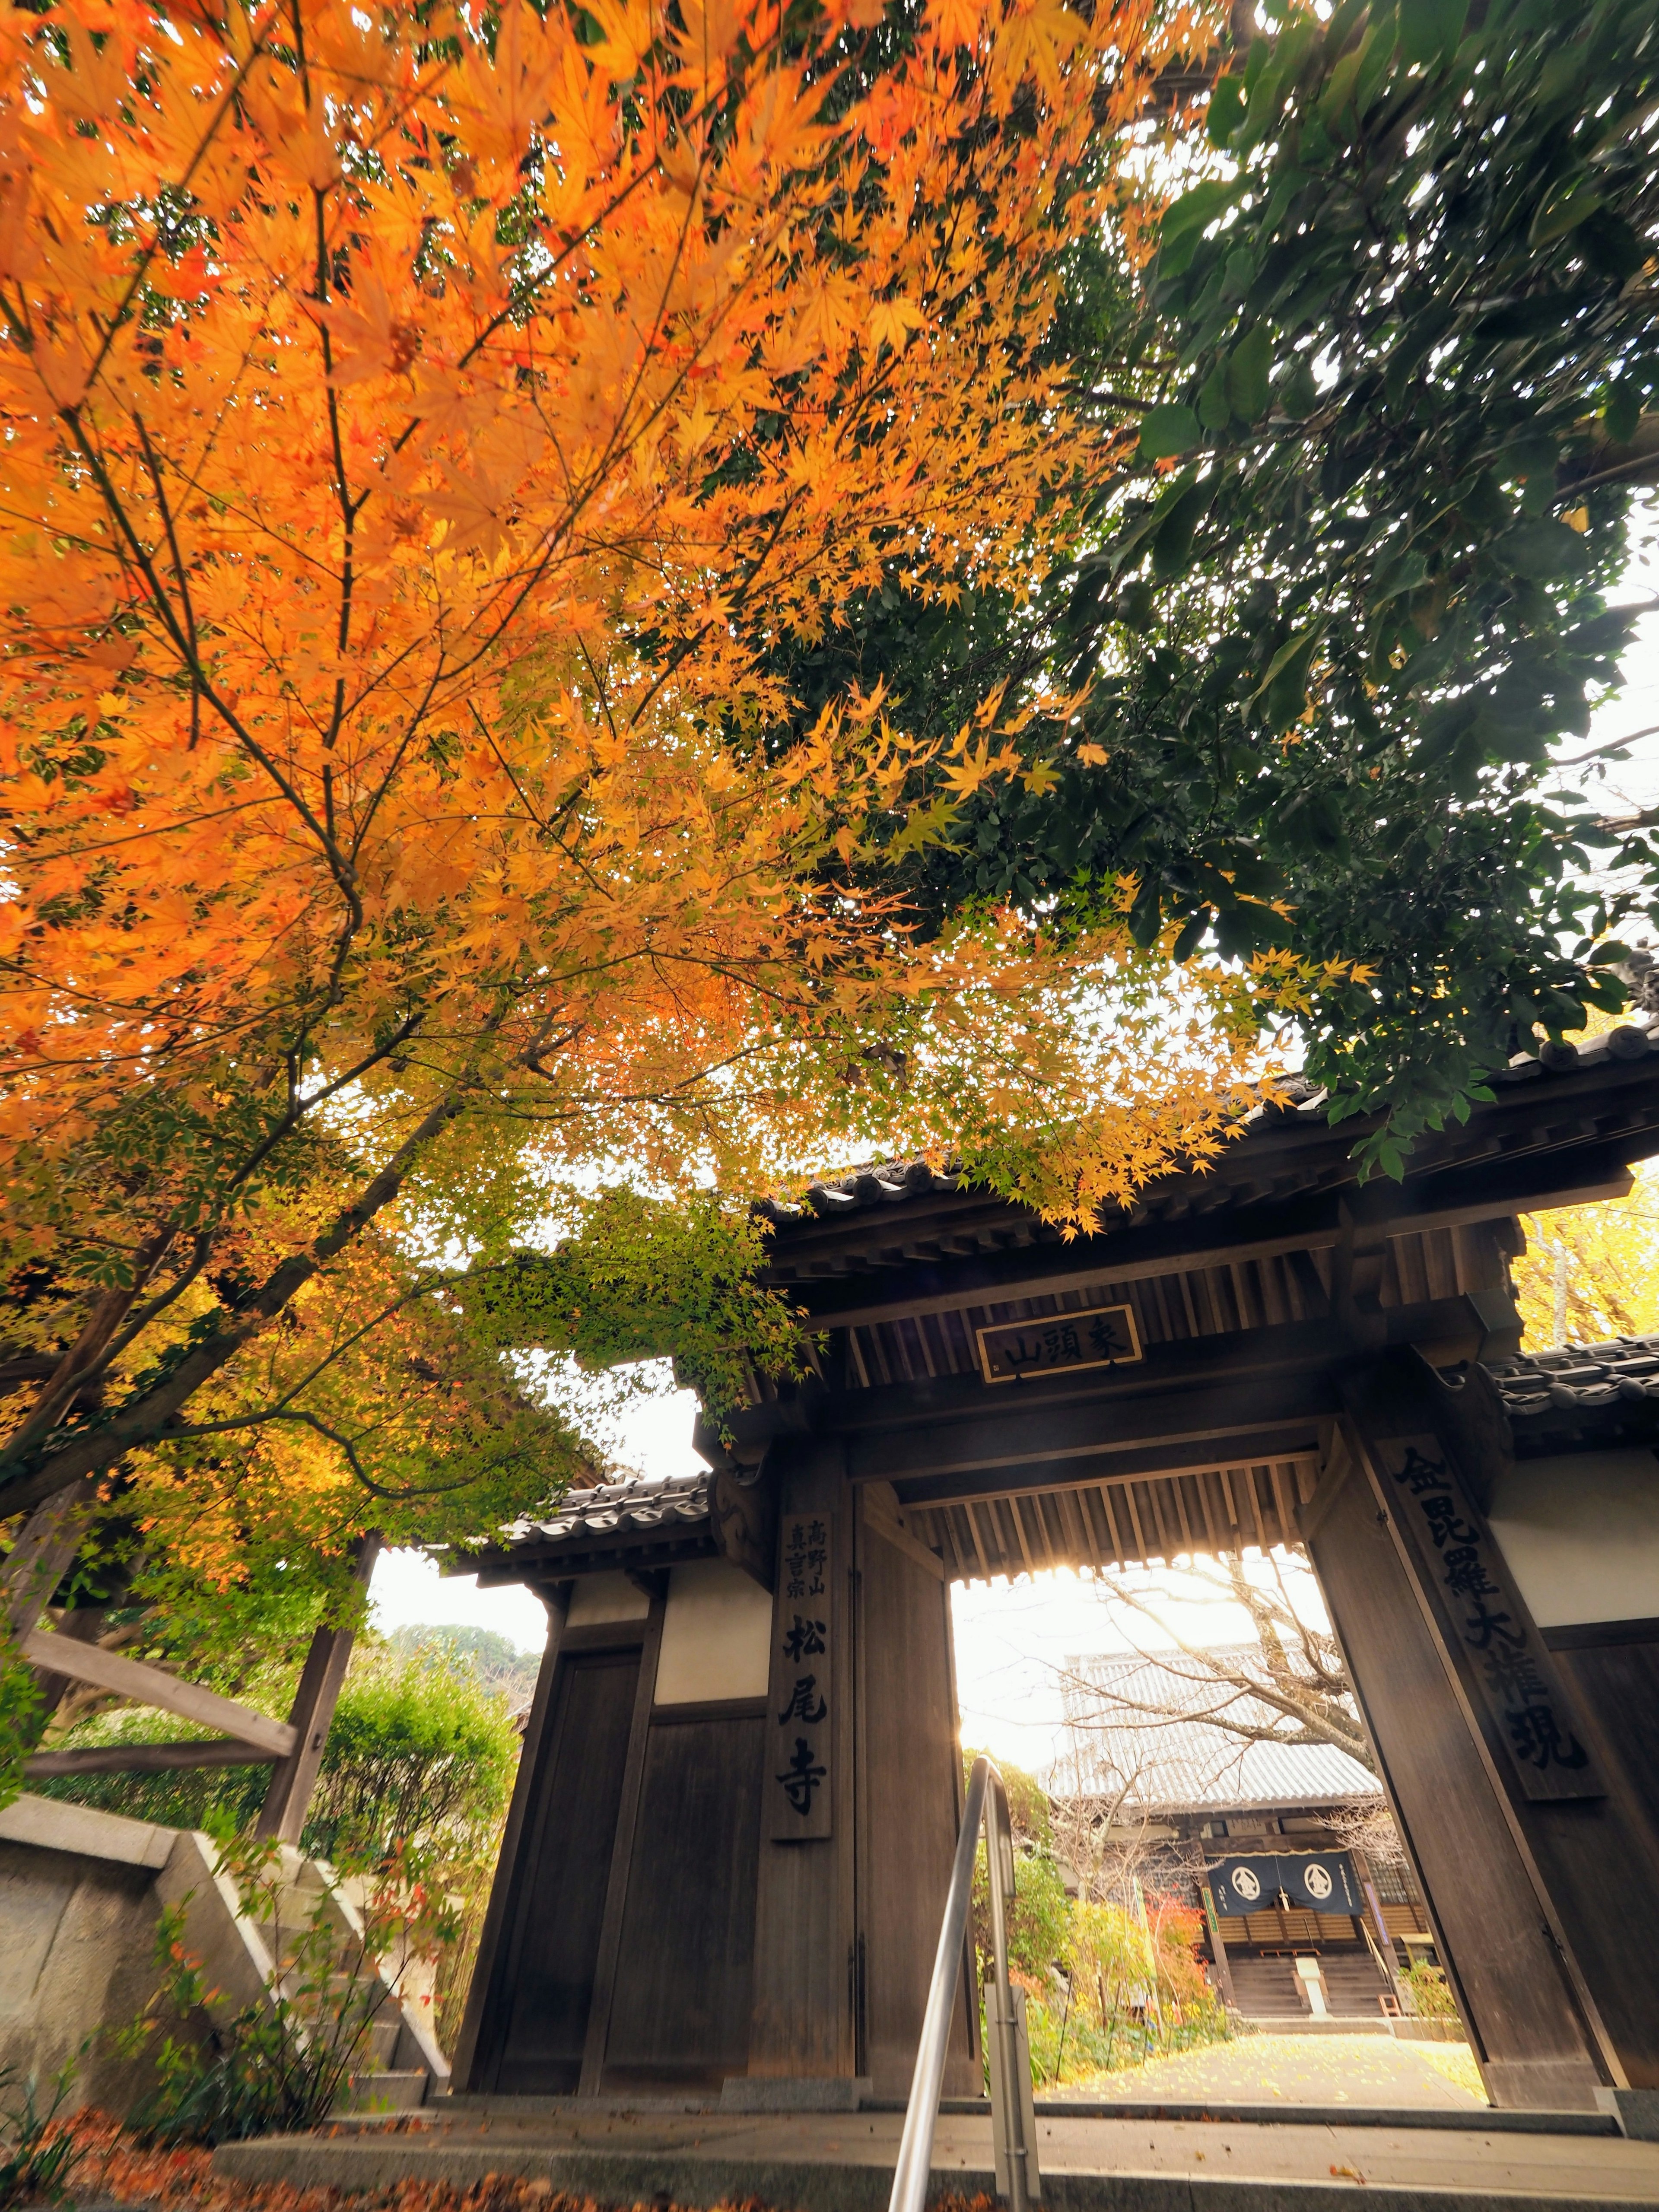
<point x="420" y="426"/>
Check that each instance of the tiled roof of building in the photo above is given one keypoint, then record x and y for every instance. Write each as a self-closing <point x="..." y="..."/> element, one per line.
<point x="638" y="1501"/>
<point x="1148" y="1762"/>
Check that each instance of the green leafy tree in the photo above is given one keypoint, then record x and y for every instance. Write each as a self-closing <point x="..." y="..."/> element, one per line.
<point x="419" y="1752"/>
<point x="1392" y="371"/>
<point x="495" y="1659"/>
<point x="1039" y="1918"/>
<point x="1403" y="352"/>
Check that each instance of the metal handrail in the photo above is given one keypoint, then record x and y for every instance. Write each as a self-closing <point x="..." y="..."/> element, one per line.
<point x="1011" y="2126"/>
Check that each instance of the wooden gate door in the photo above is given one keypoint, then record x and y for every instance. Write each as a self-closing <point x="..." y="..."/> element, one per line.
<point x="554" y="1926"/>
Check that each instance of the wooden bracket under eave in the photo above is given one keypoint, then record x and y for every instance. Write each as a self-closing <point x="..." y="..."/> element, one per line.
<point x="884" y="1517"/>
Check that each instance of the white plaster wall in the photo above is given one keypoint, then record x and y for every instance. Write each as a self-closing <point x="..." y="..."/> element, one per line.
<point x="716" y="1635"/>
<point x="1581" y="1535"/>
<point x="598" y="1599"/>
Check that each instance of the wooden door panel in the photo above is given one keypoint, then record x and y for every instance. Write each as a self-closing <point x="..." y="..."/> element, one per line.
<point x="554" y="1940"/>
<point x="684" y="1978"/>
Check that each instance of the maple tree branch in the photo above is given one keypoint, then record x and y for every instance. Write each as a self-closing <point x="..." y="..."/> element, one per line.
<point x="348" y="512"/>
<point x="303" y="1416"/>
<point x="1614" y="745"/>
<point x="423" y="1287"/>
<point x="116" y="507"/>
<point x="144" y="1419"/>
<point x="88" y="1355"/>
<point x="238" y="78"/>
<point x="189" y="611"/>
<point x="31" y="856"/>
<point x="413" y="723"/>
<point x="202" y="1243"/>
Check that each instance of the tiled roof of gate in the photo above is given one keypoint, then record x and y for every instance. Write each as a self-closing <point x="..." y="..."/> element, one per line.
<point x="1172" y="1759"/>
<point x="638" y="1502"/>
<point x="888" y="1182"/>
<point x="1625" y="1371"/>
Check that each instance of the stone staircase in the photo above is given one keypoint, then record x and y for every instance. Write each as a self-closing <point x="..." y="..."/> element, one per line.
<point x="401" y="2067"/>
<point x="1268" y="1990"/>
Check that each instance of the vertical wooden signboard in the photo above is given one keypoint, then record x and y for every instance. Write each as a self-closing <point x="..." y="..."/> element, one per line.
<point x="799" y="1768"/>
<point x="1482" y="1619"/>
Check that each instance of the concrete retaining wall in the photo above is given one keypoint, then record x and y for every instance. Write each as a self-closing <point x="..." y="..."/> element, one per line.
<point x="79" y="1904"/>
<point x="81" y="1893"/>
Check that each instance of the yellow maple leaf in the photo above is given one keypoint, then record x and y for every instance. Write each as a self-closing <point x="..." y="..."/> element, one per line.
<point x="892" y="321"/>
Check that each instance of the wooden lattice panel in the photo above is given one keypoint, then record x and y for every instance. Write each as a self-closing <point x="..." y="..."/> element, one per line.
<point x="1122" y="1521"/>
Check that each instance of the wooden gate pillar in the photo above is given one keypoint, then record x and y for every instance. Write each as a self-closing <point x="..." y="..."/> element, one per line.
<point x="293" y="1779"/>
<point x="1534" y="1857"/>
<point x="804" y="2021"/>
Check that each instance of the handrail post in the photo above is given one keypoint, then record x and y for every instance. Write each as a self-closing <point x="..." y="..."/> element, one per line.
<point x="1012" y="2126"/>
<point x="1012" y="2133"/>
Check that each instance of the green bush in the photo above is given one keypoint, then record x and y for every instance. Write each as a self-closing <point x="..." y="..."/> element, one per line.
<point x="419" y="1752"/>
<point x="1430" y="1990"/>
<point x="1039" y="1915"/>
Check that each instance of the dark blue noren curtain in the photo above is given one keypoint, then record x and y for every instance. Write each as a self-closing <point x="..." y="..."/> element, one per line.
<point x="1319" y="1881"/>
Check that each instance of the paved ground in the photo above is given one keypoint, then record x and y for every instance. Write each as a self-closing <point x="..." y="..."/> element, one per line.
<point x="843" y="2162"/>
<point x="1301" y="2069"/>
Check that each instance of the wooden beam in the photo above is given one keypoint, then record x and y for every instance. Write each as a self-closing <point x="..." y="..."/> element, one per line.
<point x="36" y="1562"/>
<point x="622" y="1856"/>
<point x="882" y="1521"/>
<point x="1337" y="1464"/>
<point x="142" y="1758"/>
<point x="282" y="1816"/>
<point x="1000" y="1278"/>
<point x="149" y="1685"/>
<point x="1263" y="1229"/>
<point x="1577" y="1804"/>
<point x="642" y="1548"/>
<point x="1281" y="1354"/>
<point x="1515" y="1993"/>
<point x="1052" y="1447"/>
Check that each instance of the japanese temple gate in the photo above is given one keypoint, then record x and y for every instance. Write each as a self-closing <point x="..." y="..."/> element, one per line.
<point x="728" y="1850"/>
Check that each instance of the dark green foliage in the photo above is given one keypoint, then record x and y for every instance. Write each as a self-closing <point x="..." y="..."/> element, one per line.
<point x="1395" y="378"/>
<point x="1406" y="329"/>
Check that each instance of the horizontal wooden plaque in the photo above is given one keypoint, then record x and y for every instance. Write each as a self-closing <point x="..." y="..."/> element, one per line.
<point x="1060" y="1344"/>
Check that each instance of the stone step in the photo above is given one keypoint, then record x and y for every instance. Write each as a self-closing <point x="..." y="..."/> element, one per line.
<point x="1287" y="2169"/>
<point x="402" y="2092"/>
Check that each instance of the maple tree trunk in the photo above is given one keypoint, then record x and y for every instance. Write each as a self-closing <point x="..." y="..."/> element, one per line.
<point x="148" y="1419"/>
<point x="81" y="1360"/>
